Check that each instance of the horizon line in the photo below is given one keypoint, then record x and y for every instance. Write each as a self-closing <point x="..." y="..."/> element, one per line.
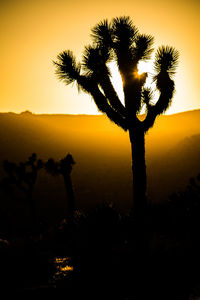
<point x="28" y="112"/>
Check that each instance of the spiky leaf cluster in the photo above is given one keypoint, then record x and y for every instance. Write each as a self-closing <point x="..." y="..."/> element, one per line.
<point x="121" y="41"/>
<point x="143" y="47"/>
<point x="24" y="174"/>
<point x="94" y="61"/>
<point x="63" y="166"/>
<point x="147" y="96"/>
<point x="166" y="60"/>
<point x="67" y="68"/>
<point x="102" y="34"/>
<point x="124" y="32"/>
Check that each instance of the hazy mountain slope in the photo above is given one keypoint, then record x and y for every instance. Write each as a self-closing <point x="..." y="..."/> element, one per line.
<point x="173" y="170"/>
<point x="102" y="154"/>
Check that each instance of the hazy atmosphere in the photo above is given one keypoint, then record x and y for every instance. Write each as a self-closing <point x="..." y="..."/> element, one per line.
<point x="34" y="32"/>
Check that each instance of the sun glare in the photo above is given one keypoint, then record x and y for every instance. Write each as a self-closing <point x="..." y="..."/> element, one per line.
<point x="144" y="67"/>
<point x="116" y="80"/>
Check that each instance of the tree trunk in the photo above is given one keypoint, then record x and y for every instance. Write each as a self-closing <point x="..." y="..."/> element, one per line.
<point x="32" y="205"/>
<point x="137" y="140"/>
<point x="70" y="196"/>
<point x="139" y="211"/>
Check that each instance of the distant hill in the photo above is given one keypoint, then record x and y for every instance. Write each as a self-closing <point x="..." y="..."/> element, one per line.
<point x="102" y="154"/>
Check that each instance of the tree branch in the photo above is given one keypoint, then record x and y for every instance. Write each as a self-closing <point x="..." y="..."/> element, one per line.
<point x="112" y="96"/>
<point x="91" y="87"/>
<point x="104" y="107"/>
<point x="164" y="101"/>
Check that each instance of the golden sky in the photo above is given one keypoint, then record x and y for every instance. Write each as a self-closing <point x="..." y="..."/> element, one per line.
<point x="33" y="32"/>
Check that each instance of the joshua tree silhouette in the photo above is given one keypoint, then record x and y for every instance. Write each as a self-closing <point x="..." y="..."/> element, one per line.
<point x="64" y="167"/>
<point x="120" y="41"/>
<point x="24" y="176"/>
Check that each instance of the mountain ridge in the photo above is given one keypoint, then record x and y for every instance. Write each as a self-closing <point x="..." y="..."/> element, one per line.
<point x="27" y="112"/>
<point x="102" y="154"/>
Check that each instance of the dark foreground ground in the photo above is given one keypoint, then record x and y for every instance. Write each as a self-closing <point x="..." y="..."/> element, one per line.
<point x="99" y="255"/>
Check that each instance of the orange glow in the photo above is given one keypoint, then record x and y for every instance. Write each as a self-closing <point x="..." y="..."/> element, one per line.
<point x="34" y="32"/>
<point x="116" y="80"/>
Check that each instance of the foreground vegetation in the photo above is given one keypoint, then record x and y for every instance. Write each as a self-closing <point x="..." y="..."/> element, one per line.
<point x="100" y="251"/>
<point x="100" y="245"/>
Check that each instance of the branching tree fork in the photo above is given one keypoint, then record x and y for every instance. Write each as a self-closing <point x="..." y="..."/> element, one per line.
<point x="120" y="41"/>
<point x="24" y="176"/>
<point x="64" y="167"/>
